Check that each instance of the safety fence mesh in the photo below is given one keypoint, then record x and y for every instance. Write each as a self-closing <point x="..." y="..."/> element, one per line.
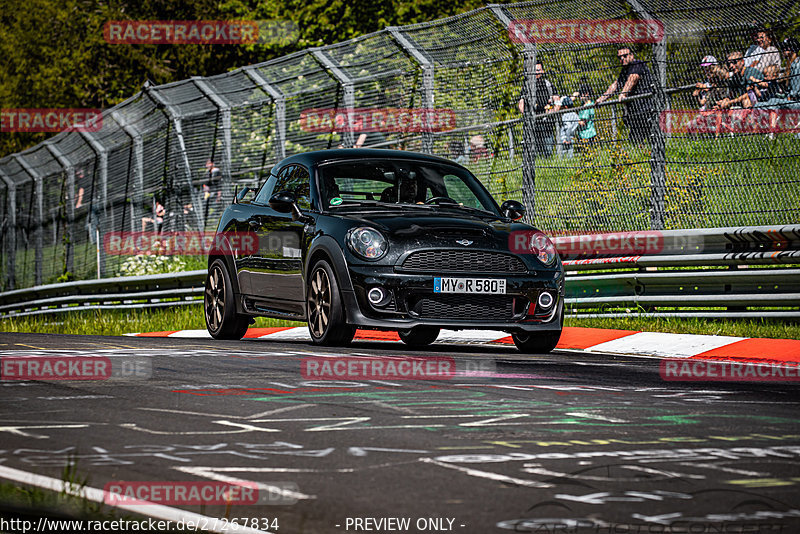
<point x="464" y="88"/>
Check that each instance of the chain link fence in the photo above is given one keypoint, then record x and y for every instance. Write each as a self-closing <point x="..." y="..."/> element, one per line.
<point x="170" y="156"/>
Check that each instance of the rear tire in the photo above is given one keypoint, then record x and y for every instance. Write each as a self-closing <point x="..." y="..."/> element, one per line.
<point x="536" y="342"/>
<point x="420" y="336"/>
<point x="219" y="305"/>
<point x="324" y="308"/>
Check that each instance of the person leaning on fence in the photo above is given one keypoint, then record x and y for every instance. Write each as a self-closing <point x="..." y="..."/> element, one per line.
<point x="790" y="98"/>
<point x="764" y="53"/>
<point x="740" y="83"/>
<point x="569" y="126"/>
<point x="586" y="131"/>
<point x="543" y="127"/>
<point x="701" y="89"/>
<point x="634" y="79"/>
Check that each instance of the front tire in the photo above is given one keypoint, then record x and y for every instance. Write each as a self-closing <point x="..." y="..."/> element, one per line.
<point x="324" y="309"/>
<point x="222" y="321"/>
<point x="420" y="336"/>
<point x="536" y="342"/>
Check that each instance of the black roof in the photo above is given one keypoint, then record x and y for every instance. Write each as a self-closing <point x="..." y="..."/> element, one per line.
<point x="310" y="159"/>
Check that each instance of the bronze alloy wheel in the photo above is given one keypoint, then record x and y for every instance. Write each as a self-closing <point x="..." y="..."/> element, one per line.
<point x="326" y="317"/>
<point x="215" y="298"/>
<point x="222" y="320"/>
<point x="319" y="303"/>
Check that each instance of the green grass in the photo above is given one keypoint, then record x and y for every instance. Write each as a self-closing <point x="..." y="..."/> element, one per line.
<point x="118" y="322"/>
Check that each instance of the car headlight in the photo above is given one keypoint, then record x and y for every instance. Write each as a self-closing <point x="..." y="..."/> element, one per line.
<point x="367" y="243"/>
<point x="543" y="248"/>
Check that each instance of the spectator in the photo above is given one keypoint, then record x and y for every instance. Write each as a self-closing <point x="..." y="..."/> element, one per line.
<point x="702" y="88"/>
<point x="477" y="148"/>
<point x="586" y="131"/>
<point x="791" y="98"/>
<point x="158" y="217"/>
<point x="569" y="125"/>
<point x="740" y="82"/>
<point x="457" y="152"/>
<point x="718" y="90"/>
<point x="543" y="127"/>
<point x="764" y="54"/>
<point x="791" y="49"/>
<point x="634" y="79"/>
<point x="769" y="88"/>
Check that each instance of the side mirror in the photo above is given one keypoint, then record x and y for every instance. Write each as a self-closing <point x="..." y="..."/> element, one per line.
<point x="286" y="202"/>
<point x="282" y="202"/>
<point x="513" y="210"/>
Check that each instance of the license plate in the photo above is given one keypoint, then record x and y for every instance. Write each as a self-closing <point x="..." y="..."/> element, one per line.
<point x="469" y="285"/>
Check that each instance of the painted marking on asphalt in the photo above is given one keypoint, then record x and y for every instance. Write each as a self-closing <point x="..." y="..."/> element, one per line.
<point x="215" y="473"/>
<point x="148" y="509"/>
<point x="491" y="476"/>
<point x="21" y="430"/>
<point x="661" y="344"/>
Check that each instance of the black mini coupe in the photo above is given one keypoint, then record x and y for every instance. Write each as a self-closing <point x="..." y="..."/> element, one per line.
<point x="382" y="239"/>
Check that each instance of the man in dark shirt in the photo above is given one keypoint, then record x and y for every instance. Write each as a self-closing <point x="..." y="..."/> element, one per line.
<point x="740" y="83"/>
<point x="634" y="79"/>
<point x="543" y="134"/>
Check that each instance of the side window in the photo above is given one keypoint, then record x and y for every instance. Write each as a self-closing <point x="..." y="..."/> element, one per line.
<point x="295" y="179"/>
<point x="266" y="190"/>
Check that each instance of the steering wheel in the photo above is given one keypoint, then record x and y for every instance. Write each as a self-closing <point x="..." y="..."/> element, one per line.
<point x="437" y="200"/>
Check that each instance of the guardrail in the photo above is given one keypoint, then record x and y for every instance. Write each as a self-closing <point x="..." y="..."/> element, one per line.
<point x="716" y="272"/>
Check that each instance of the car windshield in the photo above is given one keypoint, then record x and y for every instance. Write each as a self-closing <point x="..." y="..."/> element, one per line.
<point x="402" y="182"/>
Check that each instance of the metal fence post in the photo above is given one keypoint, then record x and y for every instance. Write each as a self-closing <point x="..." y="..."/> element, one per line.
<point x="175" y="117"/>
<point x="69" y="174"/>
<point x="11" y="241"/>
<point x="658" y="173"/>
<point x="225" y="111"/>
<point x="528" y="115"/>
<point x="102" y="156"/>
<point x="426" y="63"/>
<point x="39" y="233"/>
<point x="138" y="158"/>
<point x="280" y="107"/>
<point x="344" y="80"/>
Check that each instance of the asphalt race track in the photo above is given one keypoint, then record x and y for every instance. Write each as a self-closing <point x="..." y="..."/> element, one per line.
<point x="567" y="442"/>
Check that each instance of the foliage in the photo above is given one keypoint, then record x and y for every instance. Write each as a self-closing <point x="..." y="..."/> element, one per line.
<point x="144" y="264"/>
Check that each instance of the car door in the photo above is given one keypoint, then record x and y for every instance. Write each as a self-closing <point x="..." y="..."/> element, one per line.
<point x="277" y="266"/>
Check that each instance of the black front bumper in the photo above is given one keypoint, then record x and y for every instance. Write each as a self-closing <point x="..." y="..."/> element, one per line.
<point x="408" y="288"/>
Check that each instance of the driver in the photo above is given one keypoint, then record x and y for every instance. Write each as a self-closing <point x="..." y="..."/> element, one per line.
<point x="407" y="186"/>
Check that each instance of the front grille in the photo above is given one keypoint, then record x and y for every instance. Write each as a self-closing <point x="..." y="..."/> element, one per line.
<point x="474" y="307"/>
<point x="463" y="261"/>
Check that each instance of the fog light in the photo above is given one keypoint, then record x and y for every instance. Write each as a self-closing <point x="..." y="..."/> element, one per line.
<point x="546" y="300"/>
<point x="377" y="296"/>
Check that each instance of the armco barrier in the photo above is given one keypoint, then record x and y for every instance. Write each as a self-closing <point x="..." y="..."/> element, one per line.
<point x="715" y="272"/>
<point x="718" y="272"/>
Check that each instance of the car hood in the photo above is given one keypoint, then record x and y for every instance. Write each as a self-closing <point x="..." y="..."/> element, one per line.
<point x="407" y="224"/>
